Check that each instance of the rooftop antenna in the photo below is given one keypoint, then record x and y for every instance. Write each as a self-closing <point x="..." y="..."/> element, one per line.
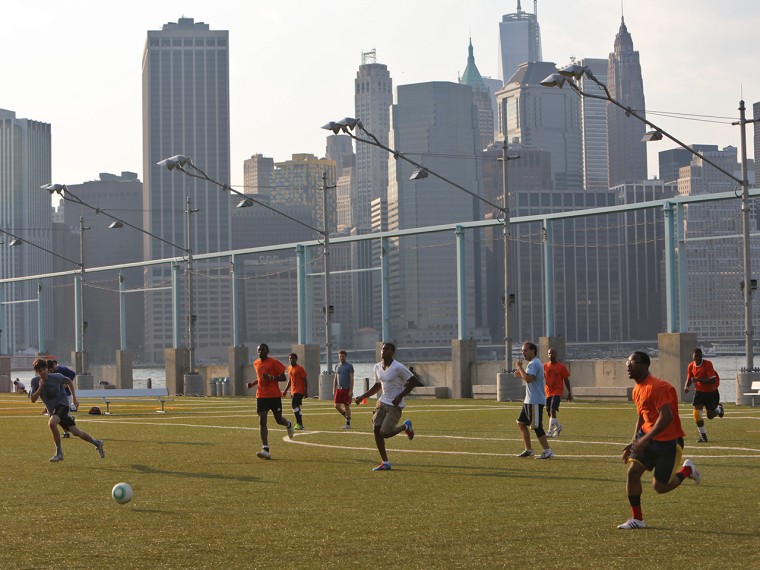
<point x="369" y="56"/>
<point x="535" y="8"/>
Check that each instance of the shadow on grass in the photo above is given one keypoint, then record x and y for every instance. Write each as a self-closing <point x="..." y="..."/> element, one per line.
<point x="147" y="469"/>
<point x="158" y="441"/>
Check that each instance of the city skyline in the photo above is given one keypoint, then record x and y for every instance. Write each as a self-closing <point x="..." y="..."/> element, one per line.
<point x="83" y="77"/>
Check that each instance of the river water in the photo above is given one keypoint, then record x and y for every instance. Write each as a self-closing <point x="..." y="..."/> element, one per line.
<point x="725" y="366"/>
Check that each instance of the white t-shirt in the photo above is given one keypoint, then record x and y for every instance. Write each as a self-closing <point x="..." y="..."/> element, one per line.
<point x="393" y="380"/>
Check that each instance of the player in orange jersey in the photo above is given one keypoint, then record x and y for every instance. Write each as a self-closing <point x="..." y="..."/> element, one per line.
<point x="556" y="378"/>
<point x="298" y="384"/>
<point x="701" y="373"/>
<point x="657" y="439"/>
<point x="269" y="373"/>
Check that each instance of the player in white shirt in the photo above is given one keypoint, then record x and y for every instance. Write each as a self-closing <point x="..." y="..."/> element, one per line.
<point x="396" y="381"/>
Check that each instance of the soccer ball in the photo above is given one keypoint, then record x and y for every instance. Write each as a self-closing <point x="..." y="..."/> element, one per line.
<point x="121" y="493"/>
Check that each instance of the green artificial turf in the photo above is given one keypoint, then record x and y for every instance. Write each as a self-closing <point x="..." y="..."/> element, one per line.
<point x="457" y="496"/>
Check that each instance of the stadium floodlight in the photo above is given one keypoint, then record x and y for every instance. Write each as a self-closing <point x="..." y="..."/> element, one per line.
<point x="419" y="174"/>
<point x="651" y="136"/>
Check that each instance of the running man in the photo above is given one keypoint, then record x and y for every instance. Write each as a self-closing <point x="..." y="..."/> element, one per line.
<point x="298" y="384"/>
<point x="53" y="366"/>
<point x="269" y="372"/>
<point x="557" y="378"/>
<point x="396" y="381"/>
<point x="531" y="415"/>
<point x="701" y="373"/>
<point x="343" y="387"/>
<point x="50" y="387"/>
<point x="657" y="439"/>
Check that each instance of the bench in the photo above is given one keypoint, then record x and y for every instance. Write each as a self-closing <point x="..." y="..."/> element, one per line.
<point x="437" y="392"/>
<point x="484" y="391"/>
<point x="603" y="392"/>
<point x="108" y="396"/>
<point x="756" y="394"/>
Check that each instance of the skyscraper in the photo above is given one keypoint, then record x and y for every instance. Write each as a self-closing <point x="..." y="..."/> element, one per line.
<point x="25" y="212"/>
<point x="519" y="41"/>
<point x="482" y="97"/>
<point x="185" y="111"/>
<point x="373" y="96"/>
<point x="545" y="118"/>
<point x="594" y="130"/>
<point x="436" y="120"/>
<point x="627" y="153"/>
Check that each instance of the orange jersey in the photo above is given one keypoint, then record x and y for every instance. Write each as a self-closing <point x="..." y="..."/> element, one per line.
<point x="651" y="395"/>
<point x="554" y="377"/>
<point x="297" y="375"/>
<point x="704" y="370"/>
<point x="268" y="388"/>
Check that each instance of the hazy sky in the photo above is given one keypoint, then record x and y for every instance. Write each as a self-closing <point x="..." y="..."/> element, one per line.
<point x="77" y="64"/>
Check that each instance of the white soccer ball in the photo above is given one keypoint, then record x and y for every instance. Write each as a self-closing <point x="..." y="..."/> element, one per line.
<point x="122" y="493"/>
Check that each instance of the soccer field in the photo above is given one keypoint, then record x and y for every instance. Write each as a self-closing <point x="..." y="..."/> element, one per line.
<point x="457" y="496"/>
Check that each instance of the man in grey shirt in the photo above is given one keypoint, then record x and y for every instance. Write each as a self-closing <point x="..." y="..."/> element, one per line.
<point x="343" y="387"/>
<point x="51" y="388"/>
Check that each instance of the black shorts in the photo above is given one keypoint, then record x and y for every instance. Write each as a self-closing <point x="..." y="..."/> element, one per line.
<point x="263" y="405"/>
<point x="296" y="401"/>
<point x="62" y="412"/>
<point x="709" y="400"/>
<point x="531" y="415"/>
<point x="662" y="456"/>
<point x="552" y="403"/>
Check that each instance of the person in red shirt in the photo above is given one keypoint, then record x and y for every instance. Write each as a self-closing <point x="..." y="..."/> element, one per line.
<point x="657" y="441"/>
<point x="556" y="378"/>
<point x="297" y="382"/>
<point x="269" y="373"/>
<point x="701" y="373"/>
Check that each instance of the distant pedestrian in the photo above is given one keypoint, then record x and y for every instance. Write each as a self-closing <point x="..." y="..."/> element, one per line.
<point x="535" y="400"/>
<point x="705" y="379"/>
<point x="657" y="443"/>
<point x="557" y="378"/>
<point x="269" y="372"/>
<point x="298" y="385"/>
<point x="50" y="387"/>
<point x="396" y="381"/>
<point x="343" y="387"/>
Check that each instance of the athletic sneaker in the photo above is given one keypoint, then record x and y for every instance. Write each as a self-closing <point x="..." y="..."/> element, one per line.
<point x="547" y="454"/>
<point x="347" y="426"/>
<point x="719" y="409"/>
<point x="299" y="427"/>
<point x="551" y="432"/>
<point x="264" y="454"/>
<point x="66" y="435"/>
<point x="695" y="476"/>
<point x="702" y="438"/>
<point x="384" y="466"/>
<point x="525" y="453"/>
<point x="558" y="430"/>
<point x="99" y="447"/>
<point x="291" y="433"/>
<point x="632" y="524"/>
<point x="408" y="429"/>
<point x="57" y="457"/>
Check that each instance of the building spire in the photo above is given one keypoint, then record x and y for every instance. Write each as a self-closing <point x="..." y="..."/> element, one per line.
<point x="519" y="8"/>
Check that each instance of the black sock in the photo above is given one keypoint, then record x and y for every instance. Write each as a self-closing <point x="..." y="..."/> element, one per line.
<point x="299" y="418"/>
<point x="265" y="448"/>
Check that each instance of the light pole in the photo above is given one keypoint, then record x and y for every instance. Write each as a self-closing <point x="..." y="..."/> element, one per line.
<point x="349" y="124"/>
<point x="81" y="323"/>
<point x="189" y="211"/>
<point x="117" y="223"/>
<point x="575" y="72"/>
<point x="186" y="165"/>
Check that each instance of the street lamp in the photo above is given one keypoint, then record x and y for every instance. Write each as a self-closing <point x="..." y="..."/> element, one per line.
<point x="574" y="72"/>
<point x="349" y="124"/>
<point x="117" y="223"/>
<point x="185" y="165"/>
